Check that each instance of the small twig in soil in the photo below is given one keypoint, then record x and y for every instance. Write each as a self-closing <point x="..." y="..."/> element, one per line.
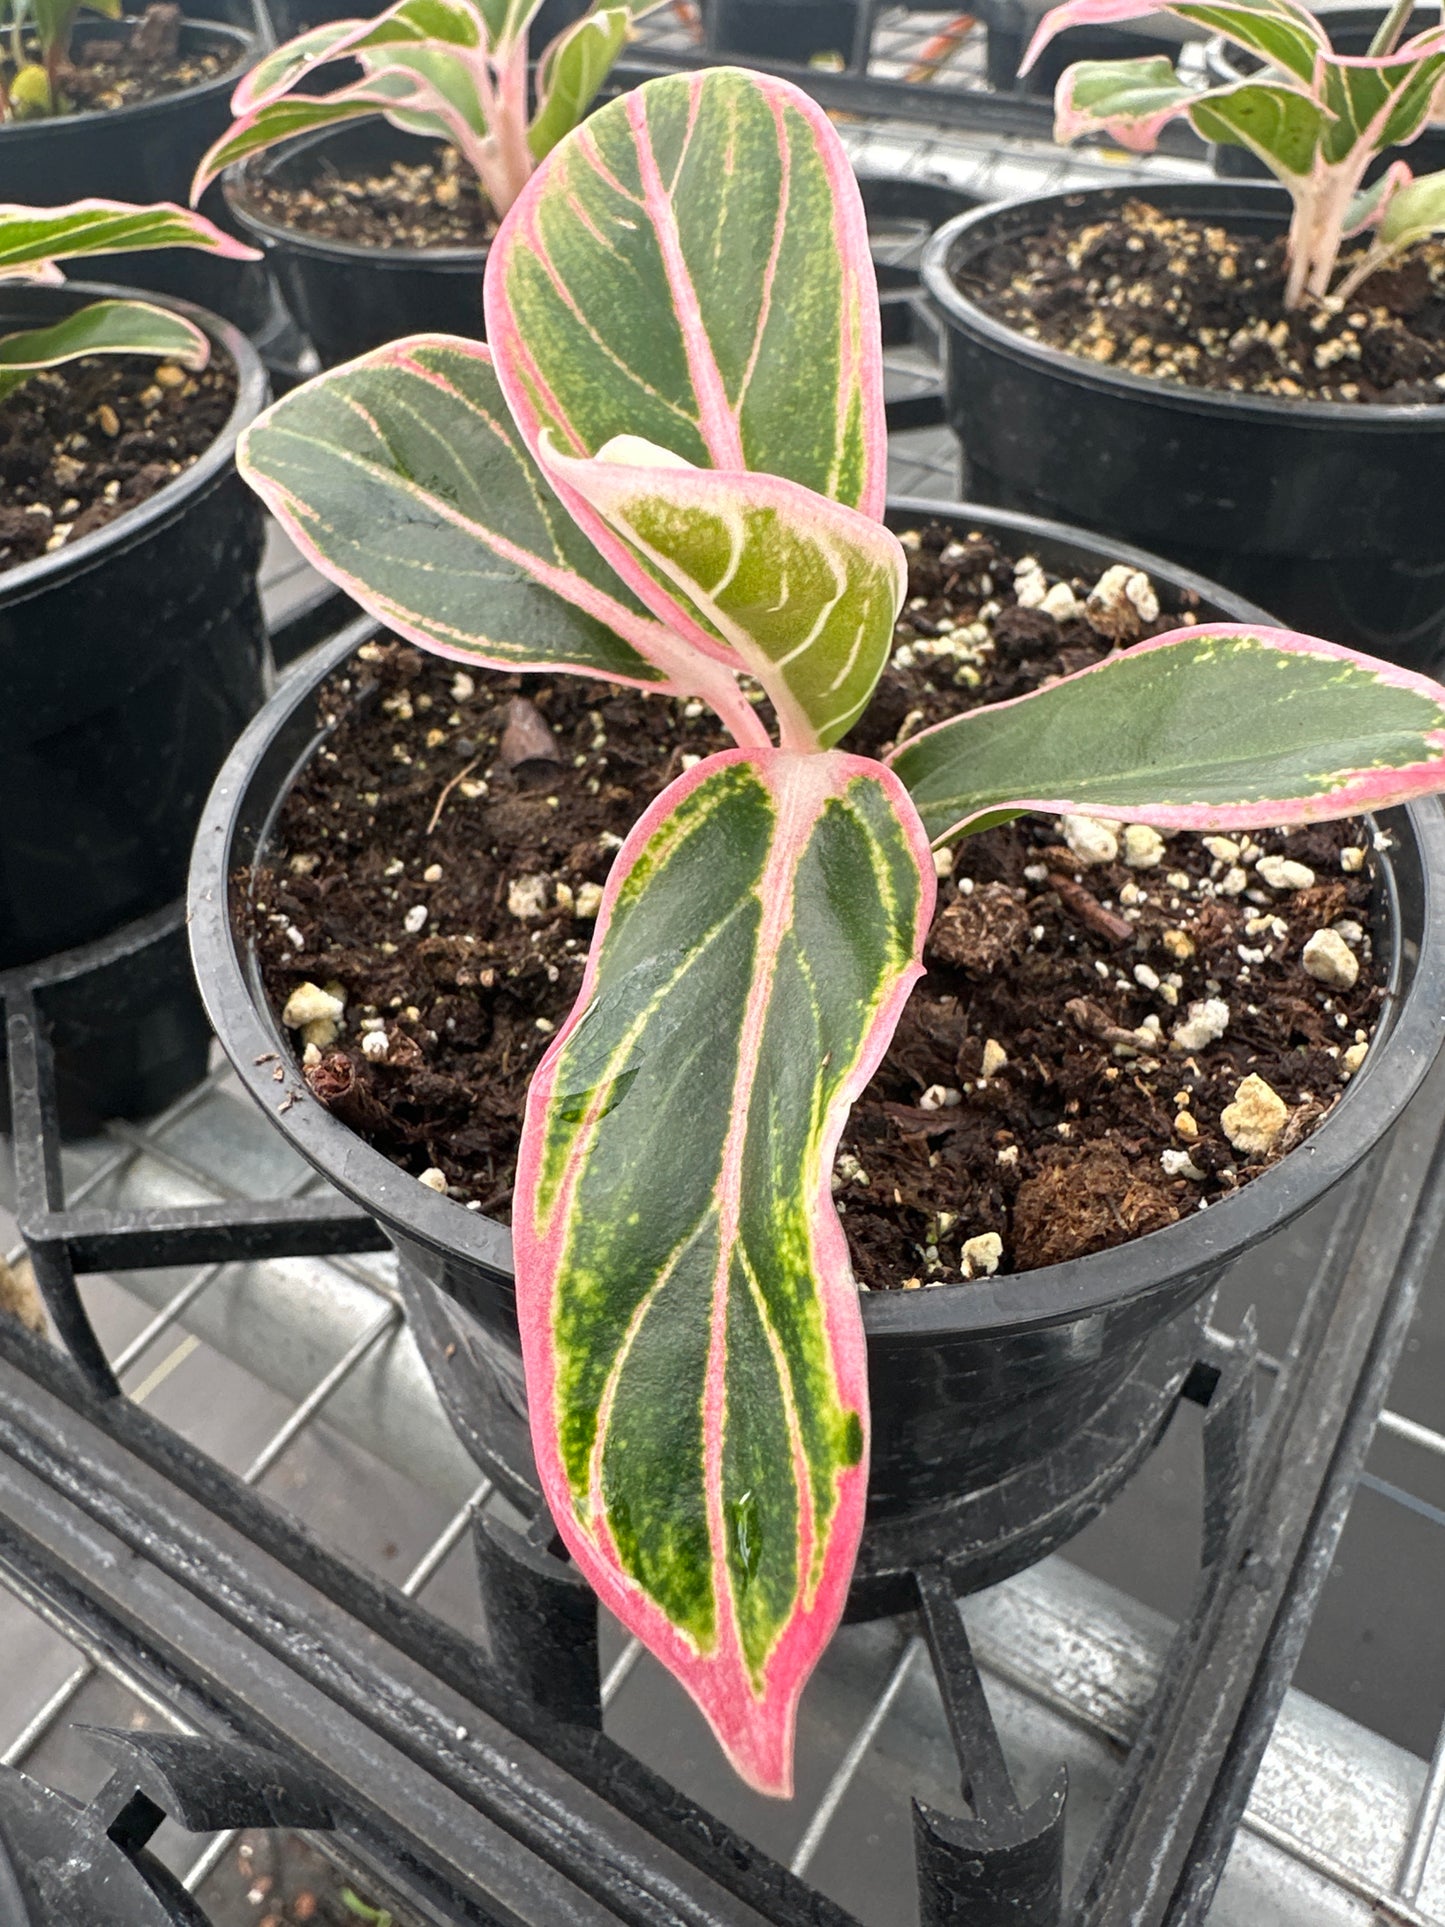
<point x="460" y="776"/>
<point x="1088" y="910"/>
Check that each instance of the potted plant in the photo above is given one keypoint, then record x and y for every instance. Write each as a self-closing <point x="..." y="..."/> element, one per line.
<point x="129" y="616"/>
<point x="378" y="204"/>
<point x="664" y="481"/>
<point x="121" y="107"/>
<point x="1203" y="369"/>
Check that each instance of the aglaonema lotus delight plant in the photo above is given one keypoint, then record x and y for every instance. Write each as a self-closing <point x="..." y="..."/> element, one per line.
<point x="35" y="240"/>
<point x="1317" y="119"/>
<point x="668" y="470"/>
<point x="452" y="69"/>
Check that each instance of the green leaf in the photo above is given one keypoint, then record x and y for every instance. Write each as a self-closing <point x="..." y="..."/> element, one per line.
<point x="1224" y="726"/>
<point x="1414" y="212"/>
<point x="1283" y="127"/>
<point x="692" y="267"/>
<point x="32" y="237"/>
<point x="402" y="478"/>
<point x="803" y="592"/>
<point x="1279" y="31"/>
<point x="696" y="1369"/>
<point x="572" y="70"/>
<point x="104" y="328"/>
<point x="1129" y="99"/>
<point x="1381" y="103"/>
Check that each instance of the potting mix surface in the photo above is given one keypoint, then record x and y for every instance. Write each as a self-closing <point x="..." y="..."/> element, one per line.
<point x="435" y="203"/>
<point x="1066" y="1076"/>
<point x="1188" y="302"/>
<point x="81" y="444"/>
<point x="145" y="64"/>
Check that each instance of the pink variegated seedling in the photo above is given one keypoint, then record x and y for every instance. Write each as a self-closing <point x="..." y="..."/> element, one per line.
<point x="668" y="470"/>
<point x="1314" y="117"/>
<point x="452" y="69"/>
<point x="35" y="240"/>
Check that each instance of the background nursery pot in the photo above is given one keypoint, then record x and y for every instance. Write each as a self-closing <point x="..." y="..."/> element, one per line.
<point x="347" y="297"/>
<point x="144" y="152"/>
<point x="1004" y="1412"/>
<point x="130" y="659"/>
<point x="1326" y="513"/>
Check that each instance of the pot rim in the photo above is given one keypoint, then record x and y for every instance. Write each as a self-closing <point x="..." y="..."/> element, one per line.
<point x="273" y="234"/>
<point x="958" y="310"/>
<point x="138" y="523"/>
<point x="247" y="48"/>
<point x="254" y="1040"/>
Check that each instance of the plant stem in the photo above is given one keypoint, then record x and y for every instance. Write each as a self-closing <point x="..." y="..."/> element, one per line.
<point x="1387" y="38"/>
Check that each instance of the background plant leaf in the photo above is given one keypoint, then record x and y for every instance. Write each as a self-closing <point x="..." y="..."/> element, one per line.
<point x="31" y="237"/>
<point x="103" y="328"/>
<point x="1222" y="726"/>
<point x="571" y="71"/>
<point x="696" y="1369"/>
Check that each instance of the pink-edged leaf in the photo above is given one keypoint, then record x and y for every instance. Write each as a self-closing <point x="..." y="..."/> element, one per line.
<point x="801" y="592"/>
<point x="398" y="92"/>
<point x="1220" y="726"/>
<point x="691" y="266"/>
<point x="1379" y="101"/>
<point x="571" y="71"/>
<point x="696" y="1369"/>
<point x="1280" y="31"/>
<point x="1131" y="100"/>
<point x="34" y="239"/>
<point x="1282" y="126"/>
<point x="1368" y="207"/>
<point x="402" y="478"/>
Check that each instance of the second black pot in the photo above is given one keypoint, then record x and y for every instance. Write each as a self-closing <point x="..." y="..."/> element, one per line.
<point x="991" y="1396"/>
<point x="347" y="297"/>
<point x="130" y="661"/>
<point x="1325" y="513"/>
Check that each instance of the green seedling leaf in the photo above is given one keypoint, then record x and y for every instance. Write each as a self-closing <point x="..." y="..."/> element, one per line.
<point x="1223" y="727"/>
<point x="696" y="1368"/>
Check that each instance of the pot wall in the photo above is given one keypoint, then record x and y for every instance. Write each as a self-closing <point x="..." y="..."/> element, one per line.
<point x="347" y="298"/>
<point x="968" y="1382"/>
<point x="1325" y="513"/>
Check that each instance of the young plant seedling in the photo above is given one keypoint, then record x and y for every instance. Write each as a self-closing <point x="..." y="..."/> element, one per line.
<point x="34" y="88"/>
<point x="1314" y="117"/>
<point x="668" y="470"/>
<point x="35" y="240"/>
<point x="453" y="69"/>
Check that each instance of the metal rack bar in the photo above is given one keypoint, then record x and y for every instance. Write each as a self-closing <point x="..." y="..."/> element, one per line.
<point x="827" y="1807"/>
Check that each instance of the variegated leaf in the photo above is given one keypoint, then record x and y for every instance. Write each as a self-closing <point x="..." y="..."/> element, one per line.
<point x="1128" y="99"/>
<point x="696" y="1370"/>
<point x="401" y="477"/>
<point x="802" y="592"/>
<point x="571" y="71"/>
<point x="1380" y="101"/>
<point x="1283" y="127"/>
<point x="103" y="328"/>
<point x="1280" y="31"/>
<point x="692" y="266"/>
<point x="1225" y="727"/>
<point x="32" y="238"/>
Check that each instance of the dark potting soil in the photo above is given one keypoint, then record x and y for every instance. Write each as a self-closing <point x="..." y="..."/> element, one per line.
<point x="1189" y="302"/>
<point x="435" y="203"/>
<point x="81" y="444"/>
<point x="145" y="64"/>
<point x="1093" y="1002"/>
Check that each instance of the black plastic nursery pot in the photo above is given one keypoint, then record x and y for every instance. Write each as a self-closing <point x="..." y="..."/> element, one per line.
<point x="1350" y="30"/>
<point x="347" y="297"/>
<point x="795" y="30"/>
<point x="144" y="152"/>
<point x="130" y="661"/>
<point x="1326" y="513"/>
<point x="1001" y="1409"/>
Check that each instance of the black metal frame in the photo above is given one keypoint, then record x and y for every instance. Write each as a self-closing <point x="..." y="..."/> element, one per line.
<point x="481" y="1786"/>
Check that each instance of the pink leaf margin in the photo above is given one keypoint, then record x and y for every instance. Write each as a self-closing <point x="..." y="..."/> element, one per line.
<point x="204" y="233"/>
<point x="1377" y="789"/>
<point x="522" y="380"/>
<point x="756" y="1735"/>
